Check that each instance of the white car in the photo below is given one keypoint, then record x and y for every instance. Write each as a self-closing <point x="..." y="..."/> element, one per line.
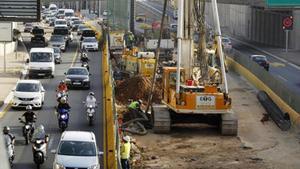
<point x="28" y="92"/>
<point x="226" y="42"/>
<point x="89" y="43"/>
<point x="77" y="149"/>
<point x="60" y="23"/>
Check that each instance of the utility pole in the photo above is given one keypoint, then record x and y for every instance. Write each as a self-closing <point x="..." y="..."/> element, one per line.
<point x="132" y="14"/>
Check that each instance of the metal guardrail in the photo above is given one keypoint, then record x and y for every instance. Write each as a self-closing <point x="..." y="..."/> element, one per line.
<point x="291" y="97"/>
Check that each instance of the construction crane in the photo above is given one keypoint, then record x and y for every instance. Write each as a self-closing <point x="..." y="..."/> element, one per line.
<point x="187" y="99"/>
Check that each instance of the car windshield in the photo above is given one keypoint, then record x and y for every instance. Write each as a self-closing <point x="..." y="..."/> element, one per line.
<point x="27" y="87"/>
<point x="57" y="39"/>
<point x="89" y="40"/>
<point x="88" y="33"/>
<point x="56" y="50"/>
<point x="69" y="14"/>
<point x="225" y="40"/>
<point x="77" y="72"/>
<point x="259" y="58"/>
<point x="77" y="22"/>
<point x="61" y="22"/>
<point x="60" y="31"/>
<point x="61" y="11"/>
<point x="77" y="148"/>
<point x="40" y="57"/>
<point x="37" y="31"/>
<point x="74" y="19"/>
<point x="81" y="27"/>
<point x="28" y="24"/>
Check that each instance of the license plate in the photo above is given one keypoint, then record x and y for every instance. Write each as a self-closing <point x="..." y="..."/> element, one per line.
<point x="41" y="74"/>
<point x="77" y="83"/>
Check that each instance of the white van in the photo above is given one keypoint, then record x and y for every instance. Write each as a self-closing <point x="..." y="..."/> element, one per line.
<point x="69" y="13"/>
<point x="41" y="62"/>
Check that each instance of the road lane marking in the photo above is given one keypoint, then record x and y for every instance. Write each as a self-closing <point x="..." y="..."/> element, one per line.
<point x="75" y="56"/>
<point x="50" y="143"/>
<point x="5" y="109"/>
<point x="277" y="64"/>
<point x="284" y="79"/>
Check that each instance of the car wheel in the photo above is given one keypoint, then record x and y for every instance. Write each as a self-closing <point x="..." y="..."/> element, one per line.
<point x="52" y="76"/>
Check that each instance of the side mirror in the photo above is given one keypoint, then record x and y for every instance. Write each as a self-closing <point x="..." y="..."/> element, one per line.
<point x="43" y="90"/>
<point x="90" y="74"/>
<point x="65" y="73"/>
<point x="13" y="90"/>
<point x="27" y="60"/>
<point x="53" y="151"/>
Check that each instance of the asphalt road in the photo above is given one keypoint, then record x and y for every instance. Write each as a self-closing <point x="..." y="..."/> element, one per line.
<point x="46" y="116"/>
<point x="280" y="70"/>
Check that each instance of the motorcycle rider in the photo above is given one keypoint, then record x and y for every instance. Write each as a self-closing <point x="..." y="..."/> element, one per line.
<point x="9" y="140"/>
<point x="29" y="116"/>
<point x="63" y="104"/>
<point x="62" y="87"/>
<point x="40" y="134"/>
<point x="84" y="58"/>
<point x="91" y="100"/>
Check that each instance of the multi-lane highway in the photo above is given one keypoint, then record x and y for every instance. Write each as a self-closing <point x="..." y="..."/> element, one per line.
<point x="46" y="116"/>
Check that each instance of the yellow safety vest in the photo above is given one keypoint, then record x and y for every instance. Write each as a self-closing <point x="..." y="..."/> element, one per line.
<point x="125" y="151"/>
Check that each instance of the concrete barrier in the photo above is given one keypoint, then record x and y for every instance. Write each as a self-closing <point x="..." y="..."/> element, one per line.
<point x="239" y="65"/>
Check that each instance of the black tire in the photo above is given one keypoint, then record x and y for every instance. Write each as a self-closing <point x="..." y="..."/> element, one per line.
<point x="27" y="138"/>
<point x="90" y="121"/>
<point x="38" y="166"/>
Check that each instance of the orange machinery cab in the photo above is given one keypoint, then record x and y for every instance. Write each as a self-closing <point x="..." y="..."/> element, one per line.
<point x="193" y="99"/>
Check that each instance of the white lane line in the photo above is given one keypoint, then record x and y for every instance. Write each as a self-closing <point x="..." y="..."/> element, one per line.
<point x="268" y="53"/>
<point x="284" y="79"/>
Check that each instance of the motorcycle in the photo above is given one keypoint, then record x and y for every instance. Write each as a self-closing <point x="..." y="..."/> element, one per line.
<point x="39" y="147"/>
<point x="63" y="119"/>
<point x="86" y="65"/>
<point x="90" y="111"/>
<point x="28" y="129"/>
<point x="10" y="151"/>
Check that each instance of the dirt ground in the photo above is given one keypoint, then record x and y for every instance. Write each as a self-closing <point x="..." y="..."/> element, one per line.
<point x="257" y="146"/>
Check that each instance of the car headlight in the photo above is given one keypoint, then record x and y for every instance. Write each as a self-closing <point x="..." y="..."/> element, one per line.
<point x="36" y="98"/>
<point x="96" y="166"/>
<point x="59" y="166"/>
<point x="86" y="80"/>
<point x="68" y="80"/>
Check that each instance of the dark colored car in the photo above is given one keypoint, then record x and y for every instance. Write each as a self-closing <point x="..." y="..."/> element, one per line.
<point x="261" y="60"/>
<point x="76" y="24"/>
<point x="38" y="38"/>
<point x="87" y="33"/>
<point x="78" y="77"/>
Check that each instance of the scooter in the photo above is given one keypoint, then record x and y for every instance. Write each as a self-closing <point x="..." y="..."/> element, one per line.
<point x="10" y="153"/>
<point x="27" y="130"/>
<point x="39" y="150"/>
<point x="63" y="119"/>
<point x="86" y="65"/>
<point x="90" y="111"/>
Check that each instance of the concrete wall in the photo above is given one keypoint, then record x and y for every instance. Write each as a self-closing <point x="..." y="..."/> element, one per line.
<point x="10" y="46"/>
<point x="234" y="19"/>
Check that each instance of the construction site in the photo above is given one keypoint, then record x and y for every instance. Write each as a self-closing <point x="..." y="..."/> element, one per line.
<point x="198" y="107"/>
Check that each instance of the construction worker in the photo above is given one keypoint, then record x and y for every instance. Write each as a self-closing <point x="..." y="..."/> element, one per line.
<point x="125" y="152"/>
<point x="134" y="107"/>
<point x="129" y="39"/>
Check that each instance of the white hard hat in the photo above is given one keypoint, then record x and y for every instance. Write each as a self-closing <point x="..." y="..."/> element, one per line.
<point x="126" y="138"/>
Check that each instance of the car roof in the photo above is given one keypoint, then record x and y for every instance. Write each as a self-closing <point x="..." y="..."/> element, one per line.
<point x="258" y="56"/>
<point x="41" y="50"/>
<point x="78" y="136"/>
<point x="61" y="20"/>
<point x="77" y="67"/>
<point x="89" y="38"/>
<point x="28" y="81"/>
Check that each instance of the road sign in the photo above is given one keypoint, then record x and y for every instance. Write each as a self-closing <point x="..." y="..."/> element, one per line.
<point x="6" y="32"/>
<point x="287" y="23"/>
<point x="283" y="3"/>
<point x="20" y="10"/>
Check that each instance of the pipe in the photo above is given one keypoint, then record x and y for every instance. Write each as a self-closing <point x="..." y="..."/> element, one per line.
<point x="219" y="40"/>
<point x="179" y="37"/>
